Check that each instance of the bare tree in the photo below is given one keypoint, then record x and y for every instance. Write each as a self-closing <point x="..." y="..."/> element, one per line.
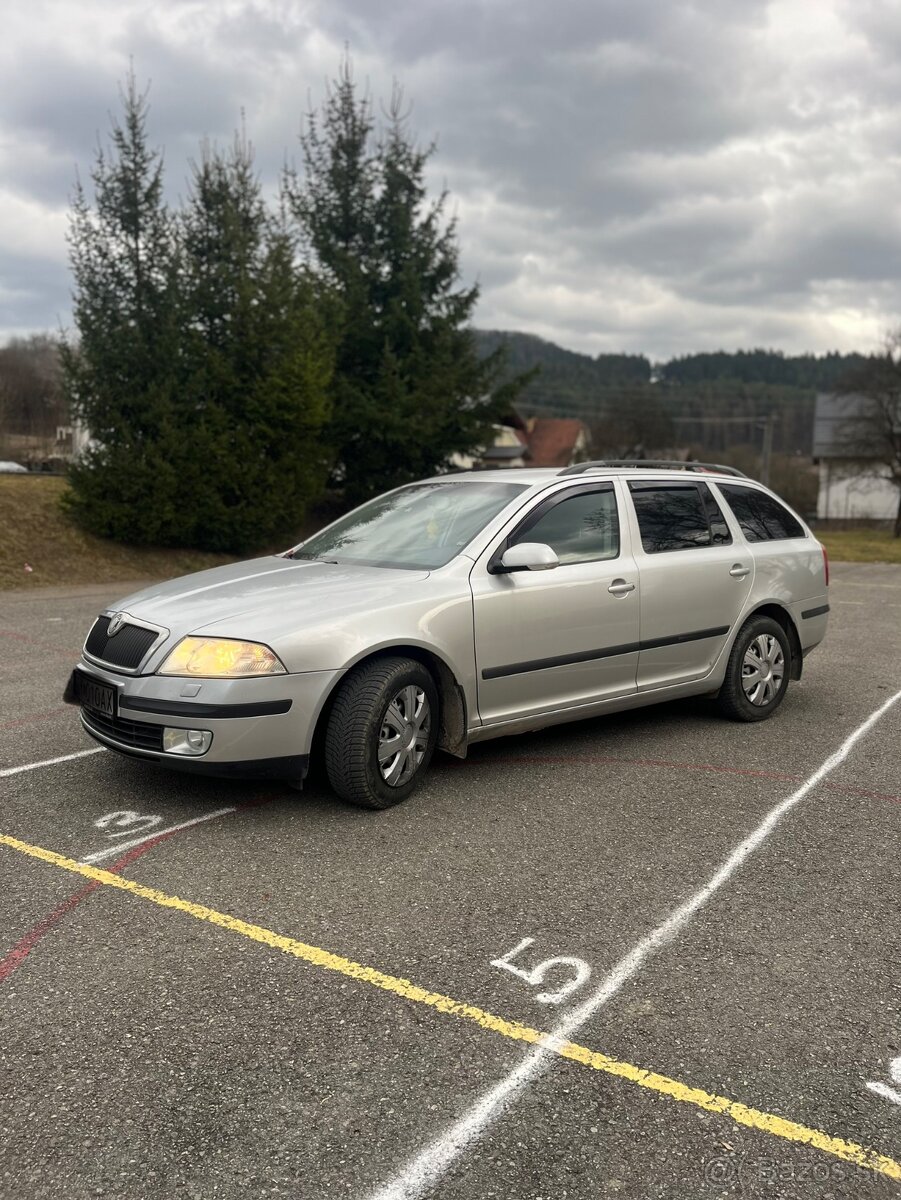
<point x="872" y="429"/>
<point x="31" y="401"/>
<point x="634" y="425"/>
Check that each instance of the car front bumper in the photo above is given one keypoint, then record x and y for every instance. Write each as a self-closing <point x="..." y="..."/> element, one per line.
<point x="261" y="728"/>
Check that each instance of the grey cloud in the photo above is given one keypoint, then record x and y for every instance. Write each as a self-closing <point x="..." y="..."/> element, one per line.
<point x="628" y="174"/>
<point x="34" y="294"/>
<point x="44" y="174"/>
<point x="509" y="30"/>
<point x="57" y="98"/>
<point x="678" y="243"/>
<point x="879" y="23"/>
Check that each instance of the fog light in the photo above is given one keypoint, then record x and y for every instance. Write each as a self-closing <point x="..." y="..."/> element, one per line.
<point x="186" y="741"/>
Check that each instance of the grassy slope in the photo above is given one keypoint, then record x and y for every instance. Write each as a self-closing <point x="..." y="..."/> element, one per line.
<point x="861" y="545"/>
<point x="34" y="530"/>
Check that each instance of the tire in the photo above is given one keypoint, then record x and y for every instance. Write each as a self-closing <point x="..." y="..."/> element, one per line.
<point x="743" y="698"/>
<point x="369" y="712"/>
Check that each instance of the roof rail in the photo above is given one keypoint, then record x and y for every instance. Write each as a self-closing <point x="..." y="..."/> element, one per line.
<point x="653" y="464"/>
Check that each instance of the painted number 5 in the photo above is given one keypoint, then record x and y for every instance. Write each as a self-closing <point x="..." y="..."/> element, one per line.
<point x="536" y="975"/>
<point x="883" y="1089"/>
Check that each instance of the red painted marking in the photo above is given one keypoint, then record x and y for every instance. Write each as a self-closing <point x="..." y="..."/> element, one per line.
<point x="32" y="717"/>
<point x="18" y="637"/>
<point x="608" y="760"/>
<point x="856" y="791"/>
<point x="24" y="946"/>
<point x="41" y="645"/>
<point x="669" y="764"/>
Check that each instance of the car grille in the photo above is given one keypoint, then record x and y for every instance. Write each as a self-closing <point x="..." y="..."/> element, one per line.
<point x="125" y="649"/>
<point x="139" y="734"/>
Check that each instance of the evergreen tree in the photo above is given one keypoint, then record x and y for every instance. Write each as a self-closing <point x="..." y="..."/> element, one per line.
<point x="409" y="387"/>
<point x="203" y="366"/>
<point x="257" y="358"/>
<point x="121" y="377"/>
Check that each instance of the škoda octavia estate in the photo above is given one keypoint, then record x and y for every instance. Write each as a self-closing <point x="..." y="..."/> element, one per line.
<point x="458" y="609"/>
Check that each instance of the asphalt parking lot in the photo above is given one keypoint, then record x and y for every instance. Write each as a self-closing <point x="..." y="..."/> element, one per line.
<point x="216" y="989"/>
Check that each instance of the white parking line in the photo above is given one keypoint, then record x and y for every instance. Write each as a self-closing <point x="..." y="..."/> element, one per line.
<point x="893" y="587"/>
<point x="48" y="762"/>
<point x="861" y="603"/>
<point x="115" y="851"/>
<point x="426" y="1168"/>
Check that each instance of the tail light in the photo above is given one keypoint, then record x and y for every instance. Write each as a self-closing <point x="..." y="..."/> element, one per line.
<point x="825" y="563"/>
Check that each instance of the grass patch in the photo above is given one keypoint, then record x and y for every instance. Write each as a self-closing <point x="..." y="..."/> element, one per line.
<point x="34" y="530"/>
<point x="861" y="545"/>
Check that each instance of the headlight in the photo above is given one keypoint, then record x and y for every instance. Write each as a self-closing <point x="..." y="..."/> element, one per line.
<point x="221" y="658"/>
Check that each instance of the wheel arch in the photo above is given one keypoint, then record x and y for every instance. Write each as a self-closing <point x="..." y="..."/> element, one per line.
<point x="778" y="613"/>
<point x="452" y="726"/>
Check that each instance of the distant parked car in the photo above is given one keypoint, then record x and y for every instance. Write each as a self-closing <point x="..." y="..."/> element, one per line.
<point x="12" y="468"/>
<point x="458" y="609"/>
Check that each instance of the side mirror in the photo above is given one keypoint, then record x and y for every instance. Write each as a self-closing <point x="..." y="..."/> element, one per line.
<point x="529" y="556"/>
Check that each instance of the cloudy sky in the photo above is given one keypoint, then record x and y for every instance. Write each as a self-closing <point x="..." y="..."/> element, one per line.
<point x="642" y="175"/>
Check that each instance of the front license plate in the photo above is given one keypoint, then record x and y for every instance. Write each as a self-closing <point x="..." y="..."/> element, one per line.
<point x="99" y="697"/>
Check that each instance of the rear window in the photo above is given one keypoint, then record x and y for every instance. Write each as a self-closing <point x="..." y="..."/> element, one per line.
<point x="761" y="517"/>
<point x="678" y="516"/>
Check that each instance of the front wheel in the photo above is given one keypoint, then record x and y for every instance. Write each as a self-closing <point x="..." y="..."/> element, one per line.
<point x="381" y="732"/>
<point x="758" y="671"/>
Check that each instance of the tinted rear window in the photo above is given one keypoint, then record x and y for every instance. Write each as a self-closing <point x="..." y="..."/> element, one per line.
<point x="719" y="530"/>
<point x="762" y="519"/>
<point x="677" y="516"/>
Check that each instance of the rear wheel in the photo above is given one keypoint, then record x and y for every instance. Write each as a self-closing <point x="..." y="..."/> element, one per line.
<point x="381" y="732"/>
<point x="758" y="671"/>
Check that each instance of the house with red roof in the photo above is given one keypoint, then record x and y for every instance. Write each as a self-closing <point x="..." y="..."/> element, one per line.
<point x="531" y="442"/>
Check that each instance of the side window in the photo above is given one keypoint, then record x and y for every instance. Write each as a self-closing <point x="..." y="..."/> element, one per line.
<point x="677" y="516"/>
<point x="719" y="530"/>
<point x="583" y="527"/>
<point x="762" y="519"/>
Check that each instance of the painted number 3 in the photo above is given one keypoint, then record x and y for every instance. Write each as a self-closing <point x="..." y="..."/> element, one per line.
<point x="118" y="824"/>
<point x="537" y="974"/>
<point x="883" y="1089"/>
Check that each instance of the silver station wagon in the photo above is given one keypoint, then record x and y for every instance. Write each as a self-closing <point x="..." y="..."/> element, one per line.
<point x="459" y="609"/>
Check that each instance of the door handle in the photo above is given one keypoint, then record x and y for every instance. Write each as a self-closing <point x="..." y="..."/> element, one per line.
<point x="739" y="571"/>
<point x="620" y="587"/>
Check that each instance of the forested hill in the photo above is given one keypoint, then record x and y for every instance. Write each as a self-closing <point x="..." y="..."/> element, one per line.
<point x="821" y="373"/>
<point x="564" y="372"/>
<point x="712" y="399"/>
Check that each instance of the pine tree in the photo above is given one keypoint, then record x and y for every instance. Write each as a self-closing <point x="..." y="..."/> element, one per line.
<point x="258" y="360"/>
<point x="409" y="387"/>
<point x="121" y="376"/>
<point x="203" y="364"/>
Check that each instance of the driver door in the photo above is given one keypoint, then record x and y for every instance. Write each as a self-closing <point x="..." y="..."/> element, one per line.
<point x="553" y="639"/>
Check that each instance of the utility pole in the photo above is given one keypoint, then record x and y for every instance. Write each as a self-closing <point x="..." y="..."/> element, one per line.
<point x="767" y="425"/>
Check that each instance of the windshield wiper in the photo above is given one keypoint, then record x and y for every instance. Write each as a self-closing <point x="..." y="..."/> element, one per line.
<point x="313" y="558"/>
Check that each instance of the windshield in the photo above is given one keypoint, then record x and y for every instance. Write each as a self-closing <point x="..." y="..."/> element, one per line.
<point x="422" y="526"/>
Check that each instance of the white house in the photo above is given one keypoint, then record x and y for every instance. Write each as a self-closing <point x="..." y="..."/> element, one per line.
<point x="853" y="485"/>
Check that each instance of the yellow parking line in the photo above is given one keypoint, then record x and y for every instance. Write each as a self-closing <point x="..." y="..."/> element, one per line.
<point x="741" y="1113"/>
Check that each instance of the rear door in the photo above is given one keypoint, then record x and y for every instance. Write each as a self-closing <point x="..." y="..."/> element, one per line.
<point x="554" y="639"/>
<point x="694" y="580"/>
